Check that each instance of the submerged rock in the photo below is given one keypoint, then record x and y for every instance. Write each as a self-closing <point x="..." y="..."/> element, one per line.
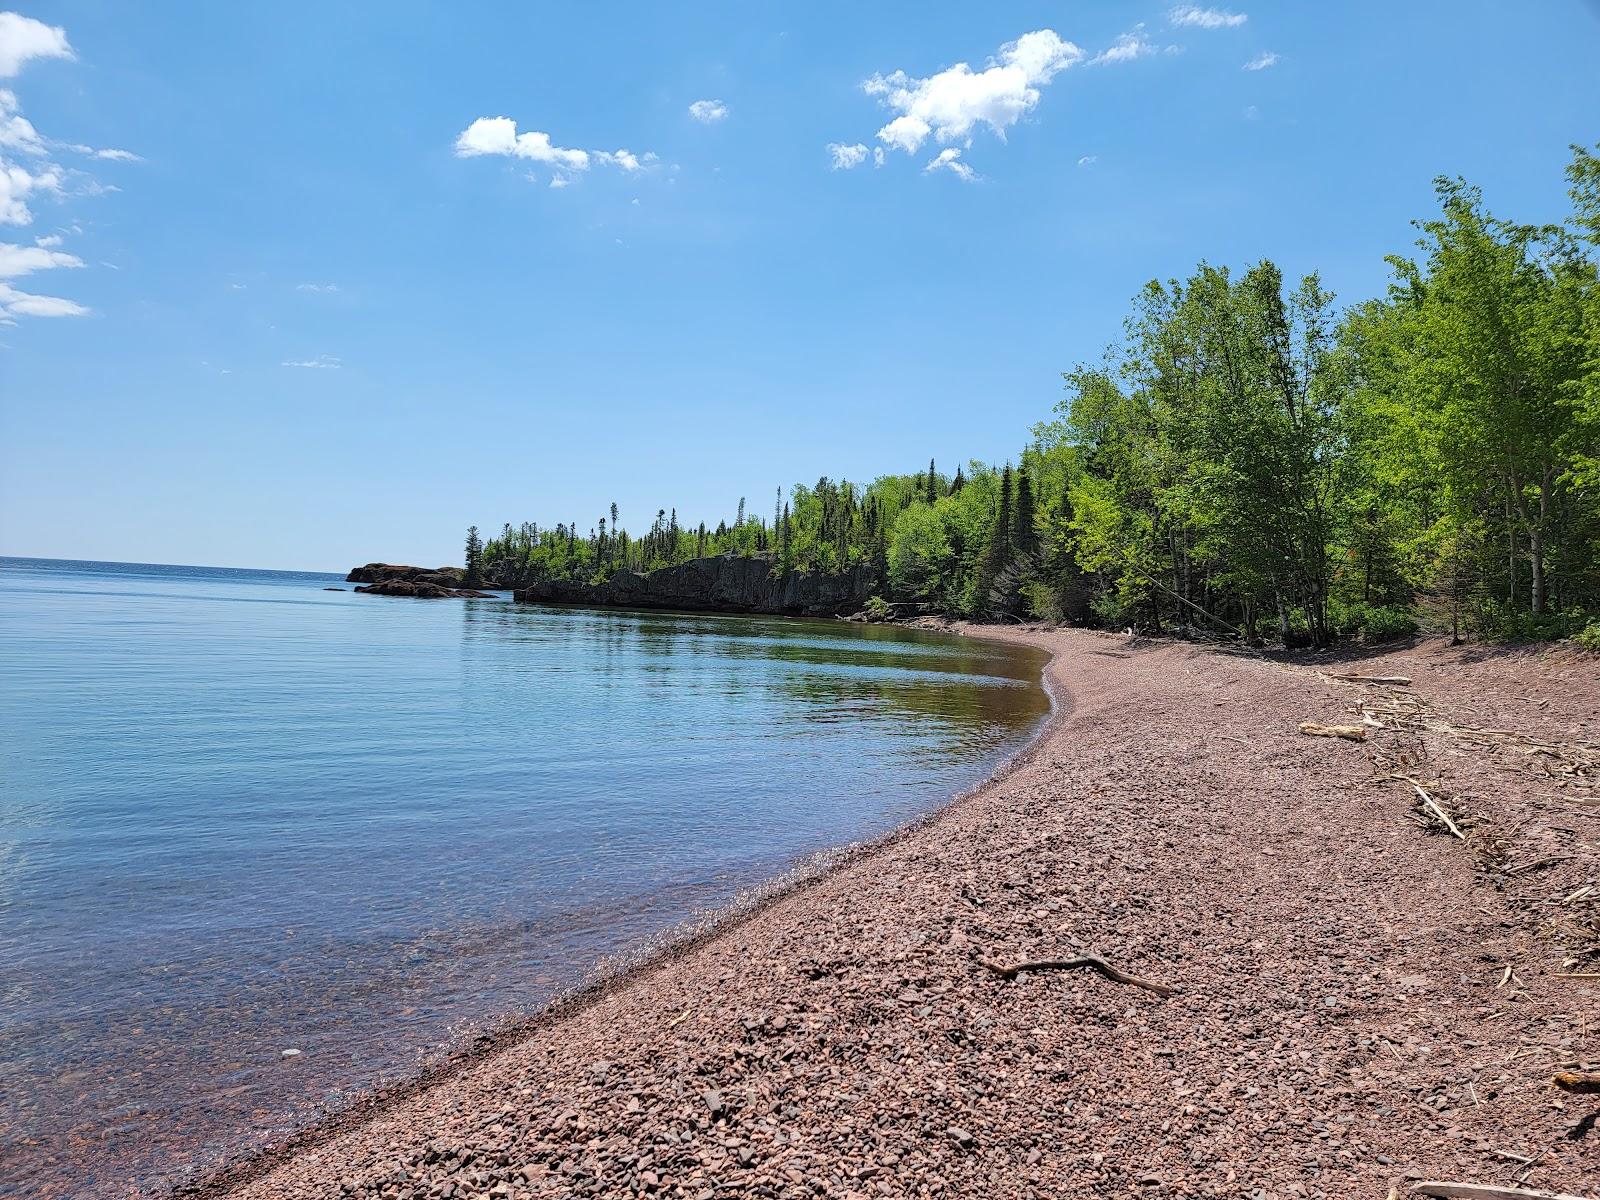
<point x="420" y="590"/>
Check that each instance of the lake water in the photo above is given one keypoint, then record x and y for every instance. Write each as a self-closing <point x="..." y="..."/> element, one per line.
<point x="240" y="814"/>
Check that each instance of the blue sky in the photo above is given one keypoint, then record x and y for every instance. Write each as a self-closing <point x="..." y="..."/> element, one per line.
<point x="281" y="291"/>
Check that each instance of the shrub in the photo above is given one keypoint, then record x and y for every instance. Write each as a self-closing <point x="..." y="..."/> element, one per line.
<point x="1589" y="637"/>
<point x="1500" y="623"/>
<point x="1371" y="622"/>
<point x="1385" y="622"/>
<point x="878" y="609"/>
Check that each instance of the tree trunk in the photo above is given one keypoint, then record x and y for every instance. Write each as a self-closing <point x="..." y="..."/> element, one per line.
<point x="1536" y="556"/>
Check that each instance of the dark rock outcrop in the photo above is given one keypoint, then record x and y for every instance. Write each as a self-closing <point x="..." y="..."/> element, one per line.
<point x="445" y="577"/>
<point x="420" y="590"/>
<point x="724" y="584"/>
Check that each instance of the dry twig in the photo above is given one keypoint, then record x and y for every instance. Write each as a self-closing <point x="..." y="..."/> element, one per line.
<point x="1483" y="1191"/>
<point x="1090" y="961"/>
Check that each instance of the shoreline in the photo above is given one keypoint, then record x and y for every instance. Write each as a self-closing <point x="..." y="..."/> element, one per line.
<point x="621" y="1019"/>
<point x="620" y="971"/>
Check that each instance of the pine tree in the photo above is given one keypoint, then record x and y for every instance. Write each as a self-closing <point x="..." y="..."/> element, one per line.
<point x="1024" y="537"/>
<point x="959" y="482"/>
<point x="997" y="557"/>
<point x="933" y="483"/>
<point x="473" y="576"/>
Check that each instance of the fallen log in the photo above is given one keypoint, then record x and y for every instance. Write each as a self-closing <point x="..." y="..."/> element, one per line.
<point x="1090" y="961"/>
<point x="1354" y="733"/>
<point x="1483" y="1191"/>
<point x="1389" y="680"/>
<point x="1584" y="1083"/>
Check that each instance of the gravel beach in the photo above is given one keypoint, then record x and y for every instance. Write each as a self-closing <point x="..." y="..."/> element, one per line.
<point x="1364" y="999"/>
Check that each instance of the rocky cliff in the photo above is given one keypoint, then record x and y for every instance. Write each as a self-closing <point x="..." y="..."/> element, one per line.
<point x="723" y="584"/>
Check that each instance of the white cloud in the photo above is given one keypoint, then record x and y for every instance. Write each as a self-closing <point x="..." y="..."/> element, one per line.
<point x="498" y="135"/>
<point x="14" y="303"/>
<point x="949" y="159"/>
<point x="17" y="183"/>
<point x="878" y="156"/>
<point x="1206" y="18"/>
<point x="1126" y="48"/>
<point x="948" y="105"/>
<point x="559" y="181"/>
<point x="322" y="362"/>
<point x="708" y="112"/>
<point x="1088" y="160"/>
<point x="17" y="261"/>
<point x="110" y="155"/>
<point x="621" y="158"/>
<point x="16" y="131"/>
<point x="1262" y="61"/>
<point x="845" y="157"/>
<point x="316" y="287"/>
<point x="23" y="38"/>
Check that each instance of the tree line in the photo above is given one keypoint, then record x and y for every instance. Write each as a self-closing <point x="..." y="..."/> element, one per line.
<point x="1248" y="459"/>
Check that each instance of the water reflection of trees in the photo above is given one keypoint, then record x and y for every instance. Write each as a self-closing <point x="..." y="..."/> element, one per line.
<point x="813" y="642"/>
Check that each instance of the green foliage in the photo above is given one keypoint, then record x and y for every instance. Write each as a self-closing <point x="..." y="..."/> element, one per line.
<point x="1589" y="637"/>
<point x="1497" y="621"/>
<point x="1372" y="623"/>
<point x="1250" y="462"/>
<point x="472" y="576"/>
<point x="878" y="609"/>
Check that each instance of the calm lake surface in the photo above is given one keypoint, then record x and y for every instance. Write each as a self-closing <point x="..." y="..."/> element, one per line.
<point x="240" y="814"/>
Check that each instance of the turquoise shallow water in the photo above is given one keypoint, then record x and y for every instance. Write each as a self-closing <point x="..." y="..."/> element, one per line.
<point x="241" y="814"/>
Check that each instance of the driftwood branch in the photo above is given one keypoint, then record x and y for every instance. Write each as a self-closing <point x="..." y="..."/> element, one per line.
<point x="1354" y="733"/>
<point x="1088" y="961"/>
<point x="1389" y="680"/>
<point x="1483" y="1191"/>
<point x="1436" y="810"/>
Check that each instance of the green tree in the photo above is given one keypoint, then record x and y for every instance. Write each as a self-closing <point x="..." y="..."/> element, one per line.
<point x="473" y="575"/>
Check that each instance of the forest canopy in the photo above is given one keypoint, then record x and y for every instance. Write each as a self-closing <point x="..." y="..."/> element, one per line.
<point x="1248" y="459"/>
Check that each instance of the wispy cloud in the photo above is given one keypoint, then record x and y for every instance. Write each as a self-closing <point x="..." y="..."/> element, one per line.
<point x="1127" y="48"/>
<point x="105" y="155"/>
<point x="949" y="105"/>
<point x="844" y="157"/>
<point x="499" y="136"/>
<point x="1261" y="61"/>
<point x="322" y="362"/>
<point x="1206" y="18"/>
<point x="29" y="174"/>
<point x="1088" y="160"/>
<point x="949" y="159"/>
<point x="322" y="288"/>
<point x="17" y="261"/>
<point x="708" y="112"/>
<point x="14" y="303"/>
<point x="23" y="38"/>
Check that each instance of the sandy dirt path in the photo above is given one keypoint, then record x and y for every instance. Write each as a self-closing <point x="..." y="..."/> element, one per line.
<point x="1346" y="1019"/>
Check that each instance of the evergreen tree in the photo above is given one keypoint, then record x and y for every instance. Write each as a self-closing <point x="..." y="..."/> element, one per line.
<point x="997" y="556"/>
<point x="933" y="483"/>
<point x="1024" y="537"/>
<point x="959" y="482"/>
<point x="473" y="576"/>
